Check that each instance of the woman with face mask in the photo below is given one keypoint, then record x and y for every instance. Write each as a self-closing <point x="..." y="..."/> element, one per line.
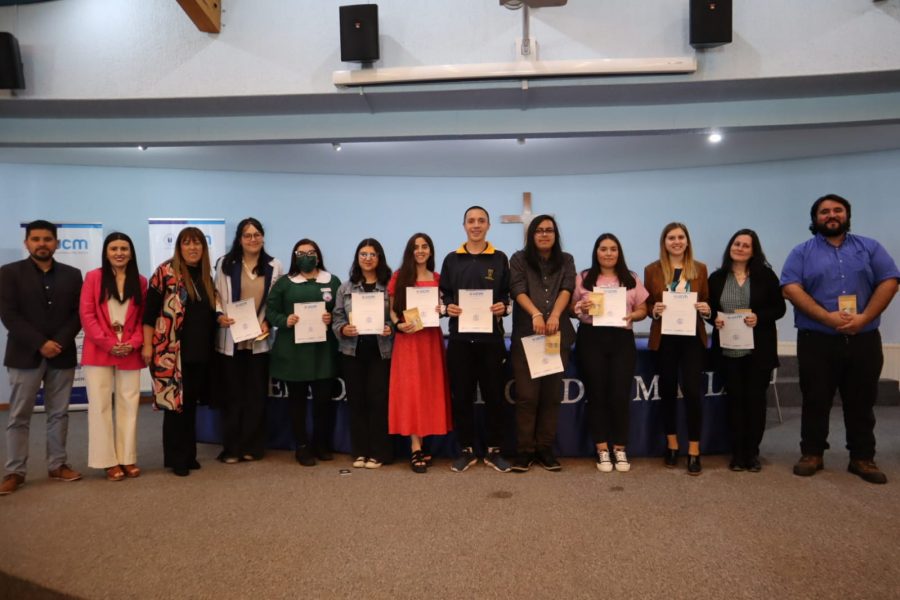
<point x="306" y="368"/>
<point x="111" y="310"/>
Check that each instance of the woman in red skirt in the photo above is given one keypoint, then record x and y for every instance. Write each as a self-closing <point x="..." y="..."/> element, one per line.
<point x="419" y="402"/>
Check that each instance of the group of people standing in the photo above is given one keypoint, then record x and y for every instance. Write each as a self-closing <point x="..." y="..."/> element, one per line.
<point x="399" y="378"/>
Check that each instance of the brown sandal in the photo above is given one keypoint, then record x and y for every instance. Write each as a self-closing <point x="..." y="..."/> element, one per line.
<point x="132" y="471"/>
<point x="115" y="473"/>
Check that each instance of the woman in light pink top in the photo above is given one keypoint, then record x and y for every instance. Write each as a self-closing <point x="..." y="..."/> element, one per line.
<point x="606" y="354"/>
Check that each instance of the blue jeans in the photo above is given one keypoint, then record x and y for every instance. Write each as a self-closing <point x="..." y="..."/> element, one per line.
<point x="24" y="384"/>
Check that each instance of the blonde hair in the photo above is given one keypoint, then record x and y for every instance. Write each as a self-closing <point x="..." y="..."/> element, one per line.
<point x="688" y="268"/>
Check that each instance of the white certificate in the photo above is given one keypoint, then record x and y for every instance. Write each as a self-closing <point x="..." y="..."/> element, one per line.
<point x="735" y="334"/>
<point x="680" y="316"/>
<point x="539" y="362"/>
<point x="368" y="312"/>
<point x="613" y="307"/>
<point x="476" y="314"/>
<point x="426" y="300"/>
<point x="246" y="323"/>
<point x="310" y="329"/>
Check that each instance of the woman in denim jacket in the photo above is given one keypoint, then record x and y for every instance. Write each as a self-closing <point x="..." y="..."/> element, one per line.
<point x="366" y="358"/>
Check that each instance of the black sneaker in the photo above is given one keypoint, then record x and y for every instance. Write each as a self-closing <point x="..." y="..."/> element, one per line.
<point x="465" y="460"/>
<point x="547" y="460"/>
<point x="523" y="462"/>
<point x="494" y="458"/>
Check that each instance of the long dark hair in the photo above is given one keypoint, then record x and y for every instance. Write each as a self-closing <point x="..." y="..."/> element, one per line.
<point x="108" y="287"/>
<point x="382" y="270"/>
<point x="756" y="263"/>
<point x="626" y="277"/>
<point x="295" y="262"/>
<point x="236" y="253"/>
<point x="179" y="266"/>
<point x="532" y="257"/>
<point x="406" y="274"/>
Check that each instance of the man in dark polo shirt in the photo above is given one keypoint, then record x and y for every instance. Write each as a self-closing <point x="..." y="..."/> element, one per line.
<point x="39" y="308"/>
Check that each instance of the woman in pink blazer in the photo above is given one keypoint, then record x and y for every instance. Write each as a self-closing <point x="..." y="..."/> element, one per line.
<point x="111" y="310"/>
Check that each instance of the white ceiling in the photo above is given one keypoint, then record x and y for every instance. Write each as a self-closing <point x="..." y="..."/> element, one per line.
<point x="488" y="157"/>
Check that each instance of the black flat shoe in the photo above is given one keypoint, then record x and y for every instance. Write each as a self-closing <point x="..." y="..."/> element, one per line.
<point x="693" y="465"/>
<point x="736" y="464"/>
<point x="753" y="465"/>
<point x="671" y="458"/>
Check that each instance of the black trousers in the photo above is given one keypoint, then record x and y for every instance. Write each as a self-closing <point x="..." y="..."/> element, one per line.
<point x="848" y="363"/>
<point x="606" y="359"/>
<point x="322" y="408"/>
<point x="367" y="379"/>
<point x="746" y="387"/>
<point x="537" y="402"/>
<point x="681" y="355"/>
<point x="180" y="428"/>
<point x="471" y="365"/>
<point x="243" y="403"/>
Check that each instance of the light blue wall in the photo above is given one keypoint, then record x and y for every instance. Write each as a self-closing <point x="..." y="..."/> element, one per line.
<point x="773" y="198"/>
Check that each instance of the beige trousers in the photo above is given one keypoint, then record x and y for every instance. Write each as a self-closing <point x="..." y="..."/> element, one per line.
<point x="112" y="425"/>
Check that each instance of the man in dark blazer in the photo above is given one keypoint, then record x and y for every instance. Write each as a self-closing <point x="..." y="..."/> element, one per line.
<point x="39" y="307"/>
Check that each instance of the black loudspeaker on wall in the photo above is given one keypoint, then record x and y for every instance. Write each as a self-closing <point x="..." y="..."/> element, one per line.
<point x="11" y="75"/>
<point x="359" y="33"/>
<point x="710" y="23"/>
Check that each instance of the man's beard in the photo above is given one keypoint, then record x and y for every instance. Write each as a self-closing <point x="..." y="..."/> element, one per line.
<point x="47" y="255"/>
<point x="827" y="231"/>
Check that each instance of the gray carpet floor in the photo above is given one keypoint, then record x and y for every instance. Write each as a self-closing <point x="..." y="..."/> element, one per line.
<point x="274" y="529"/>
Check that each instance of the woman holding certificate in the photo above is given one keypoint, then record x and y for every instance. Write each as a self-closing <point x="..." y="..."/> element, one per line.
<point x="362" y="322"/>
<point x="179" y="324"/>
<point x="679" y="293"/>
<point x="746" y="301"/>
<point x="304" y="355"/>
<point x="541" y="281"/>
<point x="608" y="299"/>
<point x="419" y="398"/>
<point x="244" y="277"/>
<point x="111" y="311"/>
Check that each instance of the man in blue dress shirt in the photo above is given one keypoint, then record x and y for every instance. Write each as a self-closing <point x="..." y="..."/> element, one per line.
<point x="839" y="284"/>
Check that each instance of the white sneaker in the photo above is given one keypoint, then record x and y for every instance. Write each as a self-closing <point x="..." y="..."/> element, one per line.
<point x="372" y="464"/>
<point x="360" y="462"/>
<point x="622" y="464"/>
<point x="603" y="462"/>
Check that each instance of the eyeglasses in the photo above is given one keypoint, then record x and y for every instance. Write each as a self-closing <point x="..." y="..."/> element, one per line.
<point x="311" y="253"/>
<point x="544" y="230"/>
<point x="368" y="255"/>
<point x="252" y="236"/>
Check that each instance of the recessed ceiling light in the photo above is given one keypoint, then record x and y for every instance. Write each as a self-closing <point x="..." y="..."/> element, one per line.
<point x="520" y="141"/>
<point x="142" y="147"/>
<point x="336" y="146"/>
<point x="715" y="137"/>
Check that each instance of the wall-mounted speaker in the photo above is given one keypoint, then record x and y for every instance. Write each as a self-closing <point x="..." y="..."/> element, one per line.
<point x="710" y="23"/>
<point x="359" y="33"/>
<point x="12" y="76"/>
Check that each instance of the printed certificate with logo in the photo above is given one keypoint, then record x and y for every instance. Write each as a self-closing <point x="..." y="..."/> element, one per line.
<point x="680" y="316"/>
<point x="614" y="304"/>
<point x="310" y="329"/>
<point x="368" y="312"/>
<point x="540" y="362"/>
<point x="246" y="323"/>
<point x="735" y="334"/>
<point x="426" y="300"/>
<point x="476" y="314"/>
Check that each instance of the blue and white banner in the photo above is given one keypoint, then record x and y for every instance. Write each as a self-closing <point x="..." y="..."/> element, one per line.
<point x="80" y="245"/>
<point x="163" y="233"/>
